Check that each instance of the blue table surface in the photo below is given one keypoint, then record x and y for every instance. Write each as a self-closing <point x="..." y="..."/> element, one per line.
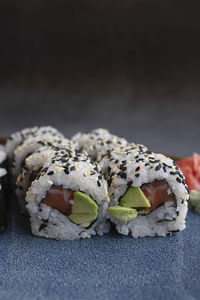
<point x="108" y="267"/>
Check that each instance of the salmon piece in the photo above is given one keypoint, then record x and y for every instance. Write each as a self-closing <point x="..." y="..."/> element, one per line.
<point x="59" y="198"/>
<point x="157" y="192"/>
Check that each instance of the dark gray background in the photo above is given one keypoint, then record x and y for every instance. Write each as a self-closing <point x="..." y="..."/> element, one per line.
<point x="130" y="66"/>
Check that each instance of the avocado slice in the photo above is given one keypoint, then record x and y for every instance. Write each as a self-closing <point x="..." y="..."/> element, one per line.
<point x="83" y="203"/>
<point x="83" y="219"/>
<point x="134" y="197"/>
<point x="123" y="213"/>
<point x="84" y="209"/>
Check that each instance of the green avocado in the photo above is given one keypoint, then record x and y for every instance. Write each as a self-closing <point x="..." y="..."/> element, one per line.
<point x="123" y="213"/>
<point x="134" y="197"/>
<point x="195" y="200"/>
<point x="83" y="219"/>
<point x="143" y="211"/>
<point x="84" y="209"/>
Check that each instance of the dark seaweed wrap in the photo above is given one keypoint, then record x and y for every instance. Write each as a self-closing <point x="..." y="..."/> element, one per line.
<point x="3" y="190"/>
<point x="3" y="207"/>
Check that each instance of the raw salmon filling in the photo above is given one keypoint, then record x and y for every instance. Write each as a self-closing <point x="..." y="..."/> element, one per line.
<point x="157" y="192"/>
<point x="59" y="198"/>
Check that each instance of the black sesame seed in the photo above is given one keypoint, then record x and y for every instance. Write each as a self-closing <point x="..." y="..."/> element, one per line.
<point x="170" y="167"/>
<point x="72" y="168"/>
<point x="158" y="167"/>
<point x="147" y="164"/>
<point x="137" y="169"/>
<point x="172" y="173"/>
<point x="100" y="177"/>
<point x="137" y="175"/>
<point x="178" y="173"/>
<point x="122" y="175"/>
<point x="66" y="171"/>
<point x="98" y="183"/>
<point x="42" y="226"/>
<point x="41" y="143"/>
<point x="122" y="168"/>
<point x="50" y="173"/>
<point x="178" y="179"/>
<point x="129" y="183"/>
<point x="187" y="189"/>
<point x="141" y="159"/>
<point x="44" y="170"/>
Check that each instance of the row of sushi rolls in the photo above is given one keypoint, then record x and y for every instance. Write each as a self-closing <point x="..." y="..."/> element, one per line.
<point x="83" y="186"/>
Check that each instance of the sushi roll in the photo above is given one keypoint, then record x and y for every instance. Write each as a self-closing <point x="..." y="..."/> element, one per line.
<point x="98" y="140"/>
<point x="30" y="146"/>
<point x="29" y="133"/>
<point x="3" y="190"/>
<point x="148" y="194"/>
<point x="68" y="199"/>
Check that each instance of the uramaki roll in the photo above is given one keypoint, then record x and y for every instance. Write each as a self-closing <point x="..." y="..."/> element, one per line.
<point x="68" y="199"/>
<point x="148" y="194"/>
<point x="97" y="140"/>
<point x="30" y="146"/>
<point x="29" y="133"/>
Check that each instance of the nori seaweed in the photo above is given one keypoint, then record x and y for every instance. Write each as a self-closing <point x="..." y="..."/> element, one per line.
<point x="3" y="198"/>
<point x="3" y="220"/>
